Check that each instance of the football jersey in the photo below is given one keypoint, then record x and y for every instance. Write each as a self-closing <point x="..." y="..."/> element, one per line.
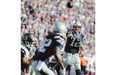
<point x="50" y="43"/>
<point x="72" y="45"/>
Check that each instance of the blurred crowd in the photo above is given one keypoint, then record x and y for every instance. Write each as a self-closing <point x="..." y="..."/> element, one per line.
<point x="39" y="16"/>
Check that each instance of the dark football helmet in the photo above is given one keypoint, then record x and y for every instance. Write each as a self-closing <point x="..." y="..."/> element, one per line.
<point x="27" y="40"/>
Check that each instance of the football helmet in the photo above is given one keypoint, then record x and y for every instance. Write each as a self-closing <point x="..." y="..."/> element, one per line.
<point x="60" y="28"/>
<point x="77" y="26"/>
<point x="28" y="40"/>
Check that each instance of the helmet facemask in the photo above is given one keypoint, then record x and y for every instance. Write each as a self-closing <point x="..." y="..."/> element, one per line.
<point x="77" y="26"/>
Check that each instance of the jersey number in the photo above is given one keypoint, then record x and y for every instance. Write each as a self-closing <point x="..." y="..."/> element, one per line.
<point x="47" y="43"/>
<point x="75" y="43"/>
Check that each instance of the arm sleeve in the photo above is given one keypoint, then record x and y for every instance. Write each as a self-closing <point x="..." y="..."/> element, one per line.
<point x="59" y="42"/>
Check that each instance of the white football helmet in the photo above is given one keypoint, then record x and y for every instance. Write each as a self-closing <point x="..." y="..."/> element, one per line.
<point x="60" y="28"/>
<point x="77" y="24"/>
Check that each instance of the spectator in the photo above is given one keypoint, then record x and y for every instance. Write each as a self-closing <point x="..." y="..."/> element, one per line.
<point x="83" y="65"/>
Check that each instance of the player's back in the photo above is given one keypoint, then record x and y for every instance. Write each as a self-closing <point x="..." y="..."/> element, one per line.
<point x="50" y="43"/>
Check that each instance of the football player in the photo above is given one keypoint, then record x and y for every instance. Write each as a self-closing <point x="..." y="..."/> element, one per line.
<point x="27" y="45"/>
<point x="74" y="43"/>
<point x="52" y="45"/>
